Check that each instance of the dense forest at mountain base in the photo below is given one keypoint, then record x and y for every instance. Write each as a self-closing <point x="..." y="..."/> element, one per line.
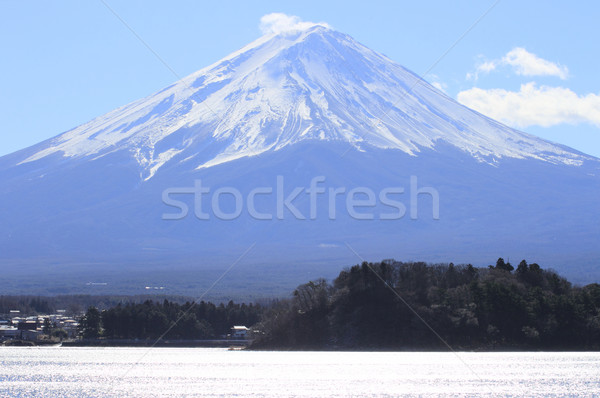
<point x="395" y="305"/>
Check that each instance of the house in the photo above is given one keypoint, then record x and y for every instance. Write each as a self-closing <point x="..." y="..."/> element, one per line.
<point x="71" y="327"/>
<point x="239" y="332"/>
<point x="28" y="325"/>
<point x="28" y="329"/>
<point x="8" y="332"/>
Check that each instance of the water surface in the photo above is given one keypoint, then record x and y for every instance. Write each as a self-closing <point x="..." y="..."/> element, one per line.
<point x="195" y="372"/>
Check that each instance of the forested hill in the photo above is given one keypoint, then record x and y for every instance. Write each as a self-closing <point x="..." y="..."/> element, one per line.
<point x="375" y="306"/>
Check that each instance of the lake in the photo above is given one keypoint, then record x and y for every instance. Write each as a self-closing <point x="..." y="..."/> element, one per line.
<point x="201" y="372"/>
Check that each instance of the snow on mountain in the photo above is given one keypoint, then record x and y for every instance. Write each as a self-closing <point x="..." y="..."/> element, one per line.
<point x="310" y="84"/>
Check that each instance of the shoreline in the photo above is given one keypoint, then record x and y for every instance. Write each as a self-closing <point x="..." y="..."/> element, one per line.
<point x="162" y="343"/>
<point x="247" y="345"/>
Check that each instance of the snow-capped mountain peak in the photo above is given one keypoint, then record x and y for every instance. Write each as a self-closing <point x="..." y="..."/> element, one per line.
<point x="284" y="88"/>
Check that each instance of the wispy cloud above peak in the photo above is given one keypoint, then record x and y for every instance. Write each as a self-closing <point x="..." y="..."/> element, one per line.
<point x="278" y="22"/>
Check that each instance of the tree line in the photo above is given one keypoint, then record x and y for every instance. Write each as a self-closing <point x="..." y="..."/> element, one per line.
<point x="152" y="319"/>
<point x="405" y="305"/>
<point x="74" y="305"/>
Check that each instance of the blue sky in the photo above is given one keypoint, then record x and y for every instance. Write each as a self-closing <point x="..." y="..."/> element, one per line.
<point x="532" y="65"/>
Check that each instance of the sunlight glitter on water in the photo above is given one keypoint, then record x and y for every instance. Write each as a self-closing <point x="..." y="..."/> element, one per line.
<point x="193" y="372"/>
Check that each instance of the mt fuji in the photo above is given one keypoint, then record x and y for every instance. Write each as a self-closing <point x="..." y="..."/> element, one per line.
<point x="93" y="204"/>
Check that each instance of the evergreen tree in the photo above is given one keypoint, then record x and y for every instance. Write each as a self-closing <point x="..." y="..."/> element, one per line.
<point x="90" y="324"/>
<point x="501" y="265"/>
<point x="523" y="268"/>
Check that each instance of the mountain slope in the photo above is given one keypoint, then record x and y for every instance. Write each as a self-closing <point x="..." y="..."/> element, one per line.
<point x="295" y="105"/>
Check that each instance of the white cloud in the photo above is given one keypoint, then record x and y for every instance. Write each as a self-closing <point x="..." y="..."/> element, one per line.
<point x="487" y="66"/>
<point x="484" y="67"/>
<point x="528" y="64"/>
<point x="278" y="22"/>
<point x="533" y="105"/>
<point x="523" y="63"/>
